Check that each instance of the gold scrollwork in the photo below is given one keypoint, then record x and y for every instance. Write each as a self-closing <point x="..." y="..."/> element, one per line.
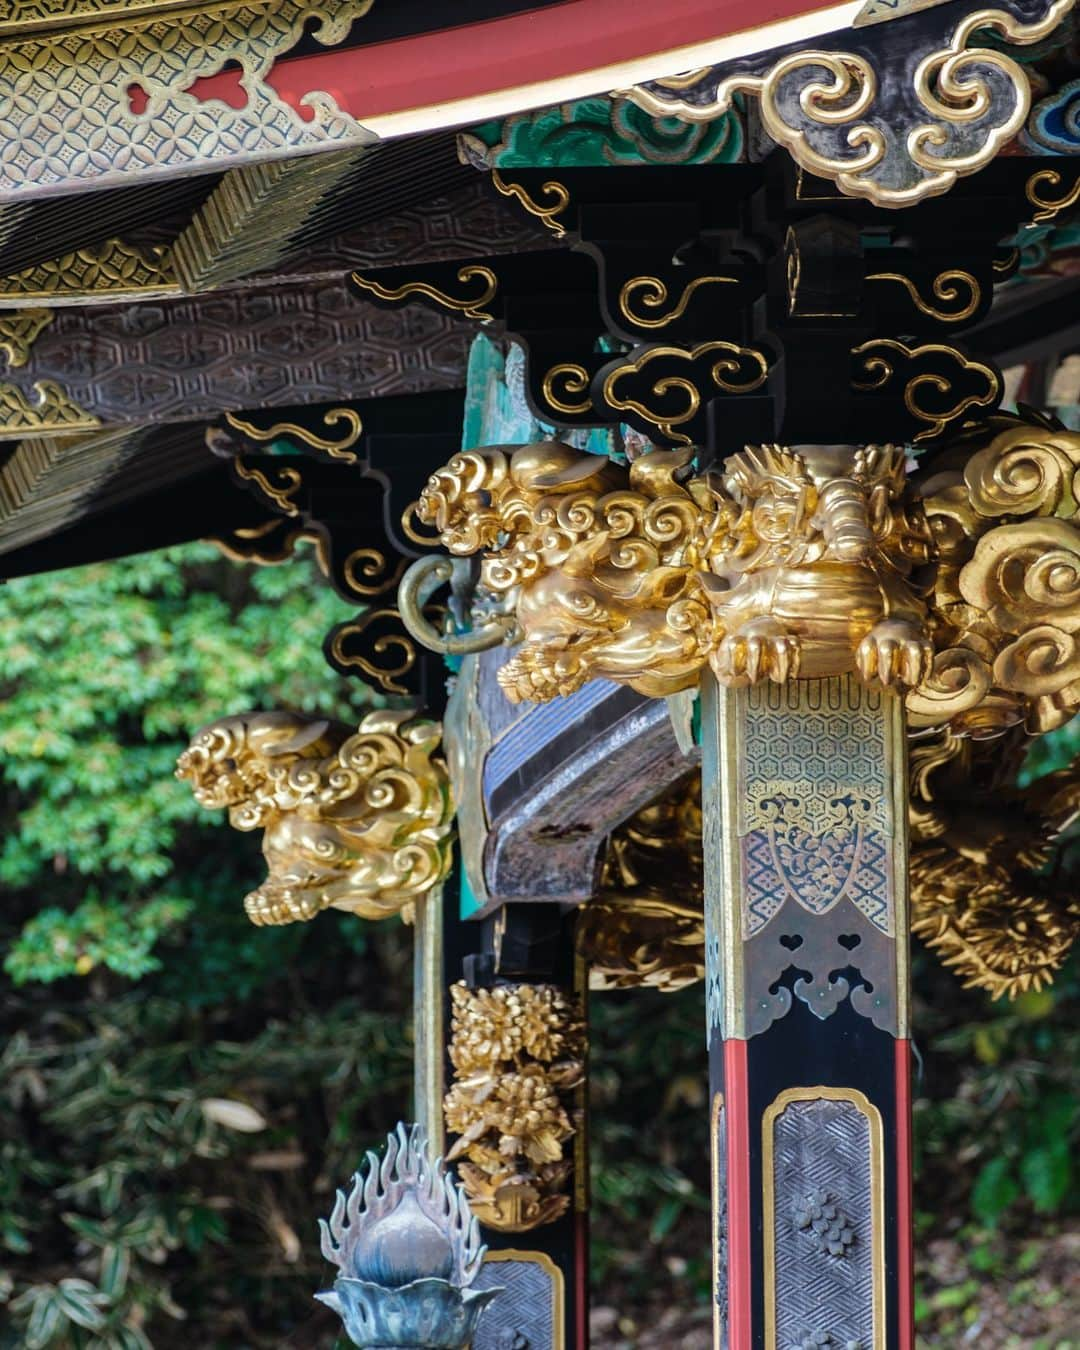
<point x="339" y="449"/>
<point x="471" y="309"/>
<point x="824" y="108"/>
<point x="367" y="571"/>
<point x="1006" y="588"/>
<point x="246" y="544"/>
<point x="729" y="364"/>
<point x="652" y="293"/>
<point x="422" y="579"/>
<point x="948" y="286"/>
<point x="574" y="380"/>
<point x="1048" y="207"/>
<point x="354" y="818"/>
<point x="409" y="530"/>
<point x="880" y="370"/>
<point x="281" y="492"/>
<point x="385" y="676"/>
<point x="545" y="214"/>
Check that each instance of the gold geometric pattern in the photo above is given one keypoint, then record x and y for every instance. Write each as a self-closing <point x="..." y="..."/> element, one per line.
<point x="18" y="331"/>
<point x="112" y="270"/>
<point x="68" y="119"/>
<point x="50" y="411"/>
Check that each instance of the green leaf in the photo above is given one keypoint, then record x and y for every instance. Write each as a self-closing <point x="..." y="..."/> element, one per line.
<point x="115" y="1267"/>
<point x="81" y="1303"/>
<point x="1047" y="1176"/>
<point x="45" y="1321"/>
<point x="994" y="1191"/>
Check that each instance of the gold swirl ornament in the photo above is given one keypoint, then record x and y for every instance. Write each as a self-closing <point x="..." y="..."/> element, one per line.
<point x="469" y="308"/>
<point x="354" y="818"/>
<point x="419" y="583"/>
<point x="335" y="449"/>
<point x="943" y="129"/>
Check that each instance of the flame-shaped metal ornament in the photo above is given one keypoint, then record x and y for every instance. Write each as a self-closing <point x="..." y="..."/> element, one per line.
<point x="408" y="1250"/>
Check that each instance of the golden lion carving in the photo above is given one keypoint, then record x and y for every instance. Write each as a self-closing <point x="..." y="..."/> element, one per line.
<point x="784" y="563"/>
<point x="353" y="819"/>
<point x="960" y="584"/>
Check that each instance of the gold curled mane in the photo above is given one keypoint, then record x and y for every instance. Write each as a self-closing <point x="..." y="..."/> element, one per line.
<point x="358" y="819"/>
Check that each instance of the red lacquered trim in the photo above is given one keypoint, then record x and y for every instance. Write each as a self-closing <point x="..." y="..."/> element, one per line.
<point x="592" y="43"/>
<point x="581" y="1283"/>
<point x="736" y="1104"/>
<point x="905" y="1274"/>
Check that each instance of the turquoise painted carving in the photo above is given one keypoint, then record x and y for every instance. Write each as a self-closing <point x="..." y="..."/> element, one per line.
<point x="597" y="131"/>
<point x="1054" y="122"/>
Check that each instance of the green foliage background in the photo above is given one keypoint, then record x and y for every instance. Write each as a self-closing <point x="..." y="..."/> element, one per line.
<point x="181" y="1092"/>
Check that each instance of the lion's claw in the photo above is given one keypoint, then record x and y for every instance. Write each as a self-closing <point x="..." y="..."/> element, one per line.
<point x="894" y="654"/>
<point x="761" y="649"/>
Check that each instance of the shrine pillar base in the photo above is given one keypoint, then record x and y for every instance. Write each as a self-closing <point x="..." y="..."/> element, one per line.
<point x="805" y="802"/>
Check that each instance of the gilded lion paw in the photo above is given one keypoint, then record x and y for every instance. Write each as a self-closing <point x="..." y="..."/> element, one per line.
<point x="761" y="649"/>
<point x="895" y="653"/>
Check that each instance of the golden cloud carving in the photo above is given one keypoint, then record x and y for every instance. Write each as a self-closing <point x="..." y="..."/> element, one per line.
<point x="1006" y="587"/>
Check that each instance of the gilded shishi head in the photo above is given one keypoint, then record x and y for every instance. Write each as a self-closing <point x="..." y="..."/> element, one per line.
<point x="600" y="559"/>
<point x="357" y="819"/>
<point x="814" y="579"/>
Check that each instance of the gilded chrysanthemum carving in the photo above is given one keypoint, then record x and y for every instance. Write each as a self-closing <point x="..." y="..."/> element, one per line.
<point x="518" y="1055"/>
<point x="358" y="819"/>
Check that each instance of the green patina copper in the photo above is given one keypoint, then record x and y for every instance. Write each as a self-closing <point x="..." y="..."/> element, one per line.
<point x="597" y="131"/>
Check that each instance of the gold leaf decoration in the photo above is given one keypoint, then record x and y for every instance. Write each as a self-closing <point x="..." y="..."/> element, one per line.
<point x="636" y="932"/>
<point x="358" y="819"/>
<point x="51" y="410"/>
<point x="644" y="574"/>
<point x="518" y="1054"/>
<point x="1006" y="587"/>
<point x="988" y="893"/>
<point x="19" y="331"/>
<point x="112" y="269"/>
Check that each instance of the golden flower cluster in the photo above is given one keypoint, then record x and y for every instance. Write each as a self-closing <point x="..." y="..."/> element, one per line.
<point x="518" y="1054"/>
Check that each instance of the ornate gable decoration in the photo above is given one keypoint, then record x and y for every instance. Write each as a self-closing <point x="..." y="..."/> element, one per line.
<point x="893" y="115"/>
